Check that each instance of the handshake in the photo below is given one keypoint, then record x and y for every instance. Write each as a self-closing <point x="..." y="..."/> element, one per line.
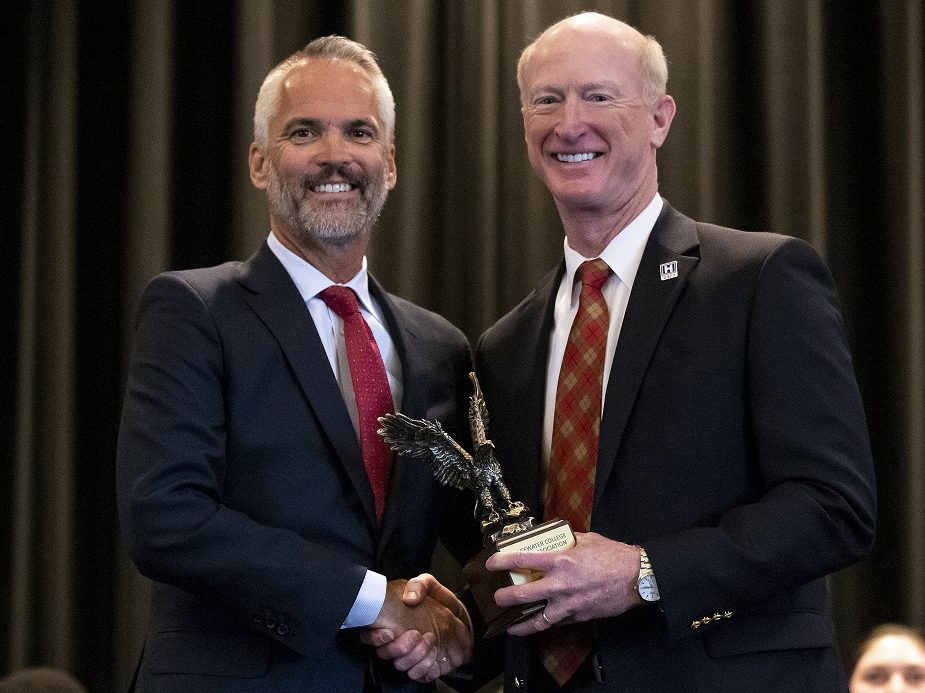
<point x="423" y="629"/>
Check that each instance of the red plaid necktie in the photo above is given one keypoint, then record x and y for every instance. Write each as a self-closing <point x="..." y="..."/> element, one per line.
<point x="370" y="387"/>
<point x="575" y="432"/>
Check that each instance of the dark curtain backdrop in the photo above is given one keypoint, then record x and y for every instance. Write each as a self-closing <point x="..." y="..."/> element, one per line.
<point x="125" y="133"/>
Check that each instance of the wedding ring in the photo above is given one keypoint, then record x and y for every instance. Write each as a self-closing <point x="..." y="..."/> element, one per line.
<point x="543" y="614"/>
<point x="444" y="659"/>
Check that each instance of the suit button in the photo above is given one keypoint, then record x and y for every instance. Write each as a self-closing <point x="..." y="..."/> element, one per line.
<point x="282" y="629"/>
<point x="257" y="620"/>
<point x="270" y="622"/>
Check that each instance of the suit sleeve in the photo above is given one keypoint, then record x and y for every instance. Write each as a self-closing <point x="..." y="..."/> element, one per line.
<point x="810" y="453"/>
<point x="171" y="472"/>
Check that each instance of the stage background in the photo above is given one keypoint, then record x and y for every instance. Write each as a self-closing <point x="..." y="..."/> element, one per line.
<point x="125" y="134"/>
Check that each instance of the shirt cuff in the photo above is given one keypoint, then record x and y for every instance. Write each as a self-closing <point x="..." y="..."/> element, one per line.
<point x="369" y="601"/>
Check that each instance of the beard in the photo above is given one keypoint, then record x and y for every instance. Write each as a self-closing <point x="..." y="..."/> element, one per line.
<point x="333" y="222"/>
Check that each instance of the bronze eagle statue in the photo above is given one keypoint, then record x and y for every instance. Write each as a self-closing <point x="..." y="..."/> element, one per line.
<point x="453" y="466"/>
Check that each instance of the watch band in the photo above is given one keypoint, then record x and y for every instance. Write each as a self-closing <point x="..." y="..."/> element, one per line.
<point x="646" y="585"/>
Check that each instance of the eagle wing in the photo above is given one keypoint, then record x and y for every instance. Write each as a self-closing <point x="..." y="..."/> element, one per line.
<point x="451" y="465"/>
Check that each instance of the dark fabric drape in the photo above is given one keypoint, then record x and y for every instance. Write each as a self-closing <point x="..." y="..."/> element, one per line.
<point x="126" y="129"/>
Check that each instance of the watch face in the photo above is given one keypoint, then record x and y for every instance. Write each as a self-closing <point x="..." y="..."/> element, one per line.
<point x="648" y="590"/>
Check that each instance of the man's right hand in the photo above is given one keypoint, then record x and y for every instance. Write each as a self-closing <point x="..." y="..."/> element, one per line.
<point x="422" y="627"/>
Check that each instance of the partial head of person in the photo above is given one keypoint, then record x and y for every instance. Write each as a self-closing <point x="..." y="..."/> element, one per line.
<point x="40" y="680"/>
<point x="323" y="150"/>
<point x="890" y="660"/>
<point x="595" y="111"/>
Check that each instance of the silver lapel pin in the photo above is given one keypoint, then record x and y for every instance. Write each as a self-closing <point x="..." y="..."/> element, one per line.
<point x="668" y="270"/>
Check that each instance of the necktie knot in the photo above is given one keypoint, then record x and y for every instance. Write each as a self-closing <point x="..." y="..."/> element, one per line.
<point x="341" y="300"/>
<point x="593" y="273"/>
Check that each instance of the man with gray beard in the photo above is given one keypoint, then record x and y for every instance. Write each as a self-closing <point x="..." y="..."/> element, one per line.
<point x="253" y="489"/>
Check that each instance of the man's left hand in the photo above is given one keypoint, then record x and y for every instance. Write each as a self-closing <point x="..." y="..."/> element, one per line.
<point x="596" y="578"/>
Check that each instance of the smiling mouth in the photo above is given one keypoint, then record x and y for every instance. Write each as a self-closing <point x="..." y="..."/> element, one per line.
<point x="332" y="188"/>
<point x="576" y="158"/>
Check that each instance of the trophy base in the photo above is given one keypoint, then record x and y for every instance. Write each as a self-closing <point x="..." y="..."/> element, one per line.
<point x="554" y="535"/>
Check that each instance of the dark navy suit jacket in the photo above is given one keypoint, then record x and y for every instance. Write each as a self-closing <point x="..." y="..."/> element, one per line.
<point x="242" y="491"/>
<point x="733" y="447"/>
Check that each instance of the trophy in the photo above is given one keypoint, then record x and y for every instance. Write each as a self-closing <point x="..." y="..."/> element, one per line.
<point x="506" y="524"/>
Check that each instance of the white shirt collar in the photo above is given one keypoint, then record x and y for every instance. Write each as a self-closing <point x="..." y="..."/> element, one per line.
<point x="310" y="281"/>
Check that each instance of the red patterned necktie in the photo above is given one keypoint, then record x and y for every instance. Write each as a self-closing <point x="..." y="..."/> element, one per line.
<point x="575" y="433"/>
<point x="370" y="387"/>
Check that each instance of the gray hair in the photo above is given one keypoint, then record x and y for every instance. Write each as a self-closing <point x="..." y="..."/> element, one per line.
<point x="331" y="48"/>
<point x="653" y="67"/>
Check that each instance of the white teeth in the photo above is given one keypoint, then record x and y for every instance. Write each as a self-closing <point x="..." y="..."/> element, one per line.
<point x="572" y="158"/>
<point x="333" y="188"/>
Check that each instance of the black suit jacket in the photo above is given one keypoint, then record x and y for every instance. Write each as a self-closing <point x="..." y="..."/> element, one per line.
<point x="733" y="448"/>
<point x="242" y="491"/>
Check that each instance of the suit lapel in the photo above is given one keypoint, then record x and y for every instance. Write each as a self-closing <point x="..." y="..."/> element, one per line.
<point x="411" y="478"/>
<point x="277" y="302"/>
<point x="533" y="327"/>
<point x="673" y="239"/>
<point x="413" y="363"/>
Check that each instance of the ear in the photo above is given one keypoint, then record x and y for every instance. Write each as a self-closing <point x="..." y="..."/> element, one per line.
<point x="257" y="164"/>
<point x="392" y="176"/>
<point x="662" y="117"/>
